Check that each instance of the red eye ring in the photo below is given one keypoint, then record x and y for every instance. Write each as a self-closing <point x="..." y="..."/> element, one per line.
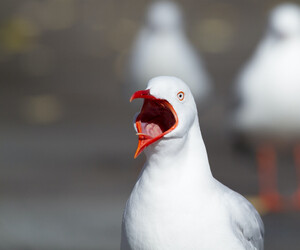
<point x="180" y="95"/>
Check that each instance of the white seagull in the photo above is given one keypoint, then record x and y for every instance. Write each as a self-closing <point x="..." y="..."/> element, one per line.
<point x="269" y="92"/>
<point x="176" y="203"/>
<point x="162" y="48"/>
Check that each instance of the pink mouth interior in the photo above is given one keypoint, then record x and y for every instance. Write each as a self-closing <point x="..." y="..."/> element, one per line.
<point x="155" y="118"/>
<point x="151" y="129"/>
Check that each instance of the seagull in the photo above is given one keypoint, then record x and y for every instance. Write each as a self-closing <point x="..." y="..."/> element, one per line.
<point x="176" y="203"/>
<point x="162" y="48"/>
<point x="268" y="90"/>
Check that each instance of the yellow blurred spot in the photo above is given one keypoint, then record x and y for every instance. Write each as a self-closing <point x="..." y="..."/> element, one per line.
<point x="216" y="30"/>
<point x="41" y="109"/>
<point x="258" y="204"/>
<point x="17" y="35"/>
<point x="214" y="35"/>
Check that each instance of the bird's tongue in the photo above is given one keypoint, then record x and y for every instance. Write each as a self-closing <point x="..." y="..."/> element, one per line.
<point x="147" y="131"/>
<point x="151" y="129"/>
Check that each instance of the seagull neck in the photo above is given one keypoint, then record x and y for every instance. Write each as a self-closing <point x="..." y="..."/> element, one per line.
<point x="180" y="155"/>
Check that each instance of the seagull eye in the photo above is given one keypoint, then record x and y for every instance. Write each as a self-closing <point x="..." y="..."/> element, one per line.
<point x="180" y="95"/>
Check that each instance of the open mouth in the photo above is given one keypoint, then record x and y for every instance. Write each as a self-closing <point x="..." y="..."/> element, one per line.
<point x="156" y="119"/>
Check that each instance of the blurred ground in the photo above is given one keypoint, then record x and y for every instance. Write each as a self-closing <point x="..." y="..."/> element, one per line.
<point x="66" y="138"/>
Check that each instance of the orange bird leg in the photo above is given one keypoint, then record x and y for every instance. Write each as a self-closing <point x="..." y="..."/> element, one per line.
<point x="267" y="176"/>
<point x="296" y="197"/>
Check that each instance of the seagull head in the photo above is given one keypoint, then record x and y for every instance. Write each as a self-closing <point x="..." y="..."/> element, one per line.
<point x="284" y="20"/>
<point x="164" y="16"/>
<point x="169" y="111"/>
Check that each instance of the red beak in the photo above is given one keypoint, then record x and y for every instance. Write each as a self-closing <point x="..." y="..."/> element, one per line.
<point x="156" y="119"/>
<point x="142" y="94"/>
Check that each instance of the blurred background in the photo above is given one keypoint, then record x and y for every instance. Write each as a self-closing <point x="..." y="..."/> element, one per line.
<point x="66" y="135"/>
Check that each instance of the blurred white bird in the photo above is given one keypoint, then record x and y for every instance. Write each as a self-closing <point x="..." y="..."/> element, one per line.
<point x="269" y="92"/>
<point x="176" y="203"/>
<point x="163" y="49"/>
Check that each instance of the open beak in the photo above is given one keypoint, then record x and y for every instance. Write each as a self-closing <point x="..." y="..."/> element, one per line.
<point x="156" y="119"/>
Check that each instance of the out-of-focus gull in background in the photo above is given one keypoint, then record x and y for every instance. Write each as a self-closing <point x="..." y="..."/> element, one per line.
<point x="162" y="48"/>
<point x="268" y="93"/>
